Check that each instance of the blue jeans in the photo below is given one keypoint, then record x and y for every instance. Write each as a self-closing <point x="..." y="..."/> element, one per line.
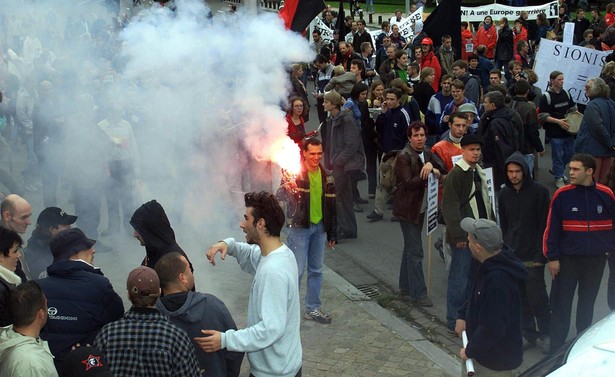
<point x="562" y="150"/>
<point x="529" y="158"/>
<point x="308" y="245"/>
<point x="458" y="276"/>
<point x="411" y="278"/>
<point x="369" y="4"/>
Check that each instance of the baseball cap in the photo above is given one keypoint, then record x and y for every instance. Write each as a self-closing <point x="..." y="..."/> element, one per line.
<point x="54" y="216"/>
<point x="427" y="41"/>
<point x="143" y="281"/>
<point x="468" y="108"/>
<point x="486" y="232"/>
<point x="469" y="139"/>
<point x="85" y="361"/>
<point x="69" y="242"/>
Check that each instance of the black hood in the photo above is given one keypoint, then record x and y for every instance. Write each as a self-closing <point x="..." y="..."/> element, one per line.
<point x="153" y="225"/>
<point x="518" y="159"/>
<point x="506" y="260"/>
<point x="502" y="112"/>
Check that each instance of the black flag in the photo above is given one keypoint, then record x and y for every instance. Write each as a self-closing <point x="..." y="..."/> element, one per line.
<point x="445" y="19"/>
<point x="340" y="24"/>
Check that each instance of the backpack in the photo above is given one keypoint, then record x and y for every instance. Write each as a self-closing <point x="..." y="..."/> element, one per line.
<point x="388" y="178"/>
<point x="480" y="84"/>
<point x="548" y="96"/>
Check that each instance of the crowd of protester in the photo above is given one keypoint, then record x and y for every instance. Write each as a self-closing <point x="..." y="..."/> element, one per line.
<point x="393" y="111"/>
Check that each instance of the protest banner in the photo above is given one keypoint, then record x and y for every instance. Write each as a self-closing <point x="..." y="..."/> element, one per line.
<point x="497" y="11"/>
<point x="326" y="33"/>
<point x="576" y="63"/>
<point x="406" y="24"/>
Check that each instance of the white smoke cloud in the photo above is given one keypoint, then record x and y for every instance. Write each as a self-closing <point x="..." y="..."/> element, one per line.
<point x="212" y="85"/>
<point x="202" y="94"/>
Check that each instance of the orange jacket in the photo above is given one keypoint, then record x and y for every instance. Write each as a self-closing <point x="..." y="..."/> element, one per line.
<point x="522" y="36"/>
<point x="431" y="60"/>
<point x="467" y="39"/>
<point x="488" y="38"/>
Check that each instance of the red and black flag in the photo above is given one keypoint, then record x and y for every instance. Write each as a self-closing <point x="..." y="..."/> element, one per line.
<point x="297" y="14"/>
<point x="444" y="20"/>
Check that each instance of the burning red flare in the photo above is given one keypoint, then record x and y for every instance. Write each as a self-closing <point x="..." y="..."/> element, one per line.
<point x="286" y="154"/>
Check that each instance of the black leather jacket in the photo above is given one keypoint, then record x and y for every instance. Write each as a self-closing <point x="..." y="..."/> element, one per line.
<point x="298" y="202"/>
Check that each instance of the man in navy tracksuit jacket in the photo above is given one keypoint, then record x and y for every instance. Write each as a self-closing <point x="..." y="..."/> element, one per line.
<point x="579" y="233"/>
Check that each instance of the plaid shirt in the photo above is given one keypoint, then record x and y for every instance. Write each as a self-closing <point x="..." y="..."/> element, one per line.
<point x="145" y="343"/>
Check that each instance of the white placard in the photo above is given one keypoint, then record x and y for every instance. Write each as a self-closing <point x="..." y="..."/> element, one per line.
<point x="568" y="33"/>
<point x="432" y="203"/>
<point x="497" y="11"/>
<point x="576" y="63"/>
<point x="489" y="175"/>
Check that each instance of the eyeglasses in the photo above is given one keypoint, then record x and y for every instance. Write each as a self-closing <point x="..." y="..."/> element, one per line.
<point x="297" y="105"/>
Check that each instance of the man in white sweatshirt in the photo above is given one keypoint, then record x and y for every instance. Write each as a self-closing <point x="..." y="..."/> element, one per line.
<point x="271" y="340"/>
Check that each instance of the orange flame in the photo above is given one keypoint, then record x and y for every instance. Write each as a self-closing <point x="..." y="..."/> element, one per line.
<point x="287" y="154"/>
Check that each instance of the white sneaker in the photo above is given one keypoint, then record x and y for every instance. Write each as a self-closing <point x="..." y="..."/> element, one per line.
<point x="559" y="183"/>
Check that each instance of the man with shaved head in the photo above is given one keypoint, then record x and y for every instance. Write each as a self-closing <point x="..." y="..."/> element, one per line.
<point x="16" y="213"/>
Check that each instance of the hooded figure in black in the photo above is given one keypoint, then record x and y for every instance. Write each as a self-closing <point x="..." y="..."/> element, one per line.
<point x="524" y="205"/>
<point x="153" y="230"/>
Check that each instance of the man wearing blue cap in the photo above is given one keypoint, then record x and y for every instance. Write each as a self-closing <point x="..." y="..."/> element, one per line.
<point x="80" y="299"/>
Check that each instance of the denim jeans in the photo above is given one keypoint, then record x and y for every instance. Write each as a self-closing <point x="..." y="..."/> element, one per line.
<point x="369" y="4"/>
<point x="529" y="158"/>
<point x="411" y="278"/>
<point x="562" y="150"/>
<point x="308" y="245"/>
<point x="458" y="276"/>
